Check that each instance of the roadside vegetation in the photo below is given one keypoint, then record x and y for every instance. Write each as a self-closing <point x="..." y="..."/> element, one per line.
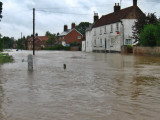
<point x="146" y="30"/>
<point x="5" y="57"/>
<point x="57" y="47"/>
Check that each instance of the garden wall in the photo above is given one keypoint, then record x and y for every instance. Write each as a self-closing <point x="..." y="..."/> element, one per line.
<point x="76" y="48"/>
<point x="126" y="49"/>
<point x="154" y="51"/>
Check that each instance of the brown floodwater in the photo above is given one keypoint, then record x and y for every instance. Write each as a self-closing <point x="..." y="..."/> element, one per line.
<point x="94" y="86"/>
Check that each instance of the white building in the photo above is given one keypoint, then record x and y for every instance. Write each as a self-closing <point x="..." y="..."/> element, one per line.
<point x="112" y="31"/>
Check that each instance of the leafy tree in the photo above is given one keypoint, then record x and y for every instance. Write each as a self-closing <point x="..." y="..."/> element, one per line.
<point x="82" y="27"/>
<point x="141" y="22"/>
<point x="8" y="42"/>
<point x="1" y="10"/>
<point x="48" y="33"/>
<point x="148" y="35"/>
<point x="158" y="34"/>
<point x="19" y="44"/>
<point x="1" y="44"/>
<point x="52" y="40"/>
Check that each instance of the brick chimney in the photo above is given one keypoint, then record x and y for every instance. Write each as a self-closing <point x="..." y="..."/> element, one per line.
<point x="73" y="25"/>
<point x="117" y="7"/>
<point x="96" y="17"/>
<point x="135" y="3"/>
<point x="65" y="27"/>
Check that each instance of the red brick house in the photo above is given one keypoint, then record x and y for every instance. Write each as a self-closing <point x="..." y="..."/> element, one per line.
<point x="70" y="35"/>
<point x="39" y="42"/>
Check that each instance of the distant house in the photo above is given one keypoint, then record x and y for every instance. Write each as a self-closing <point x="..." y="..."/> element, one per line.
<point x="70" y="36"/>
<point x="14" y="45"/>
<point x="39" y="42"/>
<point x="112" y="31"/>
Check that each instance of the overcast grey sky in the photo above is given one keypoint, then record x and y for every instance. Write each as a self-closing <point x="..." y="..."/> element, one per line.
<point x="51" y="15"/>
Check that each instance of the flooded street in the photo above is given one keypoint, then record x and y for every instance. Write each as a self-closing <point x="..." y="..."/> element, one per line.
<point x="94" y="86"/>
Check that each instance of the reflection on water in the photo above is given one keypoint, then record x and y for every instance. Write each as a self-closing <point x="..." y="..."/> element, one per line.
<point x="94" y="86"/>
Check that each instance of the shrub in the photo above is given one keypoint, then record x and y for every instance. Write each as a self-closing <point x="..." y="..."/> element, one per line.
<point x="148" y="35"/>
<point x="57" y="47"/>
<point x="4" y="57"/>
<point x="158" y="34"/>
<point x="1" y="44"/>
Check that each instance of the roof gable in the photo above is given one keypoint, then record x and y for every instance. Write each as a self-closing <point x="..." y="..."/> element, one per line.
<point x="132" y="12"/>
<point x="42" y="38"/>
<point x="76" y="31"/>
<point x="65" y="32"/>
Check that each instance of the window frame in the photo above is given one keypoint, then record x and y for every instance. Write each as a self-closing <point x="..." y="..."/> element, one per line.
<point x="105" y="30"/>
<point x="79" y="37"/>
<point x="117" y="27"/>
<point x="111" y="28"/>
<point x="128" y="41"/>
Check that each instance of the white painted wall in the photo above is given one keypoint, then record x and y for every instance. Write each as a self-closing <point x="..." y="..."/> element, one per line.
<point x="107" y="35"/>
<point x="83" y="46"/>
<point x="128" y="23"/>
<point x="89" y="46"/>
<point x="98" y="36"/>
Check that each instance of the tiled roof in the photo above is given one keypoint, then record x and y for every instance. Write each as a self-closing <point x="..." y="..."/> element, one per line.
<point x="132" y="12"/>
<point x="44" y="38"/>
<point x="89" y="28"/>
<point x="65" y="32"/>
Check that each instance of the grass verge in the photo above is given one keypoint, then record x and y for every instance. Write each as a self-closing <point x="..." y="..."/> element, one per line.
<point x="4" y="58"/>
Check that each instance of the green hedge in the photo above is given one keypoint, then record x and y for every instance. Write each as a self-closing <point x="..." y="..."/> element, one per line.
<point x="57" y="47"/>
<point x="150" y="35"/>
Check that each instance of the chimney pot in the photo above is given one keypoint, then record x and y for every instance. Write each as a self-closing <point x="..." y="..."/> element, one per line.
<point x="73" y="26"/>
<point x="117" y="7"/>
<point x="96" y="17"/>
<point x="65" y="27"/>
<point x="134" y="2"/>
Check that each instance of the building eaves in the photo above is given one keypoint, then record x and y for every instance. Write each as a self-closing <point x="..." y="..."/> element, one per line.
<point x="118" y="16"/>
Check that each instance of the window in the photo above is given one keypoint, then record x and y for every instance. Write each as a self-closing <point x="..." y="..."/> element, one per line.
<point x="111" y="42"/>
<point x="100" y="31"/>
<point x="94" y="32"/>
<point x="95" y="42"/>
<point x="100" y="42"/>
<point x="111" y="28"/>
<point x="128" y="42"/>
<point x="105" y="29"/>
<point x="79" y="37"/>
<point x="117" y="27"/>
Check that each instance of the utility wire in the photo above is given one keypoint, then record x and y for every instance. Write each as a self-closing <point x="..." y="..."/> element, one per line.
<point x="61" y="12"/>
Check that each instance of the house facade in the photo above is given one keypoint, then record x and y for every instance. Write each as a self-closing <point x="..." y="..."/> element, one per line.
<point x="112" y="31"/>
<point x="70" y="36"/>
<point x="39" y="42"/>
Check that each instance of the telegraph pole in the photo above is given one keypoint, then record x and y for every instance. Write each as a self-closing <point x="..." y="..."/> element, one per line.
<point x="33" y="31"/>
<point x="21" y="41"/>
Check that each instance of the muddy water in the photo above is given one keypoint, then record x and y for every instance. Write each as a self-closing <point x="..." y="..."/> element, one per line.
<point x="94" y="86"/>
